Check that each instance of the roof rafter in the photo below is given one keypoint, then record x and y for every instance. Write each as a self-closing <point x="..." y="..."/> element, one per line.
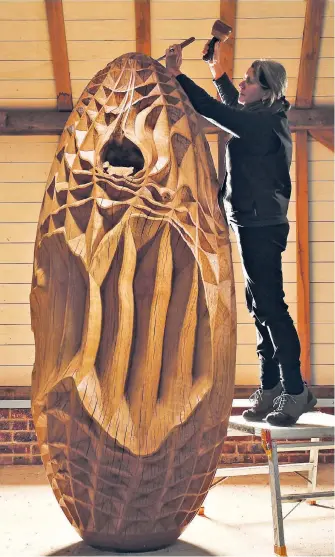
<point x="60" y="60"/>
<point x="309" y="53"/>
<point x="142" y="23"/>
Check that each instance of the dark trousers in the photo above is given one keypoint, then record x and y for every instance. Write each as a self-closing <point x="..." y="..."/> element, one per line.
<point x="278" y="345"/>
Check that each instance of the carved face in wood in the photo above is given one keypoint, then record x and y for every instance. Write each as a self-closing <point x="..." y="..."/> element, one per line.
<point x="133" y="311"/>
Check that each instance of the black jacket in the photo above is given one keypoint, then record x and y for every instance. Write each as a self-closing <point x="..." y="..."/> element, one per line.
<point x="257" y="185"/>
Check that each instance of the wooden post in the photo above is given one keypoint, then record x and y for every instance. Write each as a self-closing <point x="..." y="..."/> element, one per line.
<point x="306" y="81"/>
<point x="60" y="60"/>
<point x="302" y="242"/>
<point x="142" y="21"/>
<point x="227" y="14"/>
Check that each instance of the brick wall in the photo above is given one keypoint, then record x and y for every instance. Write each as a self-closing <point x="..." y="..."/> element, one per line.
<point x="18" y="444"/>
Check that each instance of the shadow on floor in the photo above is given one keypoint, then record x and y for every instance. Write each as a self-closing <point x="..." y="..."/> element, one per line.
<point x="179" y="548"/>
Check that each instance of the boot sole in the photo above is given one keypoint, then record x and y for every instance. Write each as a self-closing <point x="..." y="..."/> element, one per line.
<point x="308" y="406"/>
<point x="256" y="418"/>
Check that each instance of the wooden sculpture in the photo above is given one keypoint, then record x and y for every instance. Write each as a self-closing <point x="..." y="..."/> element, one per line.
<point x="133" y="312"/>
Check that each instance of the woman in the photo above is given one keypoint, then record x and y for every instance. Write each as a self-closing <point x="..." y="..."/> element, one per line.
<point x="256" y="193"/>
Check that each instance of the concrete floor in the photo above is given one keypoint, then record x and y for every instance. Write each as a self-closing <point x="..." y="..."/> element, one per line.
<point x="238" y="519"/>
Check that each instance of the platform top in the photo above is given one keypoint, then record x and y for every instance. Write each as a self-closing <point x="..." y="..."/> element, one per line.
<point x="311" y="424"/>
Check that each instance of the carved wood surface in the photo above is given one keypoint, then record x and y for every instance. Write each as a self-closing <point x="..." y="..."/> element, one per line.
<point x="133" y="312"/>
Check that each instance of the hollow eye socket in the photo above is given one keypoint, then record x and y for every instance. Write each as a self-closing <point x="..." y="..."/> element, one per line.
<point x="122" y="153"/>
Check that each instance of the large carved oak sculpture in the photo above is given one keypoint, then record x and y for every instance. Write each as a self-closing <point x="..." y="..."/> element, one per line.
<point x="133" y="312"/>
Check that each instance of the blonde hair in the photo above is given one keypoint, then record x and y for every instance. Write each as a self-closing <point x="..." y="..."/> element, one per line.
<point x="271" y="76"/>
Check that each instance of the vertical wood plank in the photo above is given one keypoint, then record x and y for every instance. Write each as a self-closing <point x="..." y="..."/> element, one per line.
<point x="309" y="52"/>
<point x="228" y="15"/>
<point x="303" y="287"/>
<point x="142" y="22"/>
<point x="60" y="60"/>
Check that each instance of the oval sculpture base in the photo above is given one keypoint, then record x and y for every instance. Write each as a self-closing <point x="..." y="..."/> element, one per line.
<point x="133" y="312"/>
<point x="139" y="543"/>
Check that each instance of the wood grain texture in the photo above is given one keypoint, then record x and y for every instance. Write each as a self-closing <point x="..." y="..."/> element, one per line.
<point x="309" y="52"/>
<point x="134" y="367"/>
<point x="55" y="16"/>
<point x="303" y="279"/>
<point x="142" y="23"/>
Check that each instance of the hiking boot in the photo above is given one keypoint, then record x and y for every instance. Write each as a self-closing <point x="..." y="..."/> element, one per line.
<point x="289" y="408"/>
<point x="262" y="401"/>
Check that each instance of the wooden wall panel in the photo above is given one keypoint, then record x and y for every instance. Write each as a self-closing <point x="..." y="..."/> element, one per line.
<point x="273" y="29"/>
<point x="170" y="24"/>
<point x="97" y="32"/>
<point x="113" y="33"/>
<point x="26" y="74"/>
<point x="321" y="173"/>
<point x="24" y="165"/>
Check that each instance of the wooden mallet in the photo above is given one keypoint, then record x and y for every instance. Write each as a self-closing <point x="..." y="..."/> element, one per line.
<point x="220" y="32"/>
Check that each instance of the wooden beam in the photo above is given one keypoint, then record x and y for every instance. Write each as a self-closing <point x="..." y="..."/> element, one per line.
<point x="50" y="122"/>
<point x="309" y="52"/>
<point x="142" y="22"/>
<point x="60" y="60"/>
<point x="33" y="122"/>
<point x="316" y="118"/>
<point x="325" y="136"/>
<point x="302" y="243"/>
<point x="228" y="15"/>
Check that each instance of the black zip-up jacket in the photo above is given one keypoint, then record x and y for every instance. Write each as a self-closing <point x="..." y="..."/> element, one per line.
<point x="257" y="185"/>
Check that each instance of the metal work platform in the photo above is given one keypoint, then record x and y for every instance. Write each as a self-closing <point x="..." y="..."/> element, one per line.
<point x="305" y="435"/>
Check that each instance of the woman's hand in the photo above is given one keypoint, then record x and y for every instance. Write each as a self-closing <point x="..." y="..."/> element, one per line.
<point x="205" y="49"/>
<point x="174" y="59"/>
<point x="218" y="63"/>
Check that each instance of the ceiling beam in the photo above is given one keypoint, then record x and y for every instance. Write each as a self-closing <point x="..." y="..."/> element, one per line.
<point x="50" y="122"/>
<point x="142" y="23"/>
<point x="60" y="60"/>
<point x="309" y="52"/>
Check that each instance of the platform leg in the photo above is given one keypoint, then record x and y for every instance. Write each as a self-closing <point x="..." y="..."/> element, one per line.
<point x="277" y="513"/>
<point x="313" y="473"/>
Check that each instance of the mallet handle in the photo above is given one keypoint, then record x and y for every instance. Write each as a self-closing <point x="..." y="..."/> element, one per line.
<point x="183" y="44"/>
